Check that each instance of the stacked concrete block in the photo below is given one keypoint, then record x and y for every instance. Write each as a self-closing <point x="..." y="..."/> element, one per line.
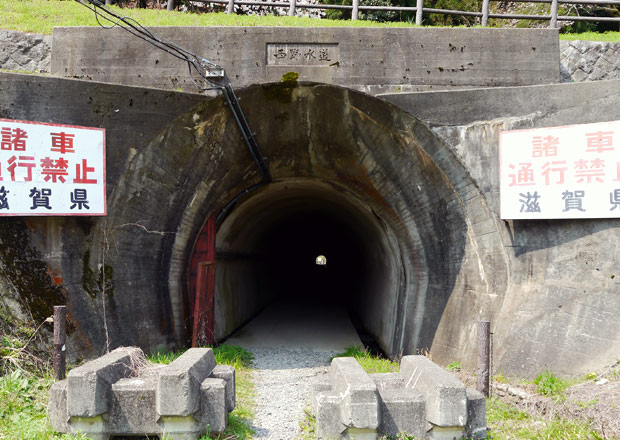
<point x="422" y="400"/>
<point x="112" y="396"/>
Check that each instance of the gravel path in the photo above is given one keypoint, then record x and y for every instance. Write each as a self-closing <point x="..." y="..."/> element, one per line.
<point x="283" y="380"/>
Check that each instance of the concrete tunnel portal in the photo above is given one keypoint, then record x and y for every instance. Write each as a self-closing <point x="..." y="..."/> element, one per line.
<point x="266" y="257"/>
<point x="354" y="178"/>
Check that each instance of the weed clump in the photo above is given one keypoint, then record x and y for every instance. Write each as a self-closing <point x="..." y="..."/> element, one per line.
<point x="550" y="385"/>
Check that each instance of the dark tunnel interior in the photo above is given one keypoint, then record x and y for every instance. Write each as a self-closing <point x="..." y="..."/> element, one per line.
<point x="292" y="246"/>
<point x="267" y="251"/>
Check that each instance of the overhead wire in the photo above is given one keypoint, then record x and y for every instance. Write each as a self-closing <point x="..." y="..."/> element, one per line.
<point x="208" y="71"/>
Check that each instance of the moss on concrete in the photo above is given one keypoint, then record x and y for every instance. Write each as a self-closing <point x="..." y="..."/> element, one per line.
<point x="23" y="269"/>
<point x="102" y="281"/>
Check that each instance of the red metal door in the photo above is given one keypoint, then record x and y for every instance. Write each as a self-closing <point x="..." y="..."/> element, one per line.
<point x="202" y="286"/>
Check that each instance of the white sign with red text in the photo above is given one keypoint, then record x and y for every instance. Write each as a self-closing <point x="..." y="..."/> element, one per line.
<point x="561" y="172"/>
<point x="51" y="169"/>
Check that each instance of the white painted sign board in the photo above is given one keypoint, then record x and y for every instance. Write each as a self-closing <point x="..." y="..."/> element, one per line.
<point x="561" y="172"/>
<point x="51" y="169"/>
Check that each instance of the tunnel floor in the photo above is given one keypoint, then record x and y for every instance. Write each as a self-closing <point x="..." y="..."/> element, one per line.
<point x="292" y="325"/>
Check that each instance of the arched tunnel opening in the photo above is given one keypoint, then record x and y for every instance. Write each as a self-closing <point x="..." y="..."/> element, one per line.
<point x="266" y="260"/>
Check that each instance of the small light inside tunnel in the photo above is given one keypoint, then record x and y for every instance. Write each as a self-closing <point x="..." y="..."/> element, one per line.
<point x="321" y="260"/>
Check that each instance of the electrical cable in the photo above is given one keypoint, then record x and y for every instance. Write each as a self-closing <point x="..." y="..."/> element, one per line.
<point x="208" y="71"/>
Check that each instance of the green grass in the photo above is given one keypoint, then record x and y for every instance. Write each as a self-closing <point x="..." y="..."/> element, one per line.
<point x="370" y="363"/>
<point x="550" y="385"/>
<point x="40" y="16"/>
<point x="454" y="366"/>
<point x="498" y="411"/>
<point x="610" y="37"/>
<point x="510" y="423"/>
<point x="23" y="403"/>
<point x="307" y="426"/>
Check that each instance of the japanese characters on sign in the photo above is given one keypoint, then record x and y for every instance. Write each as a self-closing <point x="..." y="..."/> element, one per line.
<point x="302" y="54"/>
<point x="561" y="172"/>
<point x="50" y="169"/>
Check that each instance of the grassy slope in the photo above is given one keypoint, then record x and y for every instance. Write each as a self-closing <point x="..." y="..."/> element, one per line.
<point x="40" y="16"/>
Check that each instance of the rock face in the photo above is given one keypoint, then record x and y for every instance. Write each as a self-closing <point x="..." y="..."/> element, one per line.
<point x="589" y="61"/>
<point x="118" y="395"/>
<point x="422" y="400"/>
<point x="26" y="52"/>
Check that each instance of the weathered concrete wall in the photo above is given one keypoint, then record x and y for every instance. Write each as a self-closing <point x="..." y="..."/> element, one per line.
<point x="158" y="202"/>
<point x="367" y="59"/>
<point x="433" y="192"/>
<point x="22" y="51"/>
<point x="48" y="261"/>
<point x="563" y="290"/>
<point x="579" y="61"/>
<point x="589" y="61"/>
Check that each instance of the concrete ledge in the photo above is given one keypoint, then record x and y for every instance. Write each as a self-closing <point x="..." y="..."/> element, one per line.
<point x="227" y="373"/>
<point x="368" y="59"/>
<point x="326" y="409"/>
<point x="402" y="410"/>
<point x="133" y="404"/>
<point x="445" y="395"/>
<point x="359" y="407"/>
<point x="178" y="386"/>
<point x="88" y="388"/>
<point x="476" y="414"/>
<point x="57" y="413"/>
<point x="213" y="404"/>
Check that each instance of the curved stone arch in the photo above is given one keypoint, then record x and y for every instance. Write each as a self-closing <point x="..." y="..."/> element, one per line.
<point x="384" y="158"/>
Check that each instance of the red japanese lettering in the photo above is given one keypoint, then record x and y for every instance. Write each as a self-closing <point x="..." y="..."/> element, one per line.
<point x="13" y="139"/>
<point x="586" y="172"/>
<point x="28" y="165"/>
<point x="549" y="167"/>
<point x="545" y="146"/>
<point x="81" y="173"/>
<point x="524" y="175"/>
<point x="617" y="179"/>
<point x="54" y="169"/>
<point x="599" y="141"/>
<point x="62" y="142"/>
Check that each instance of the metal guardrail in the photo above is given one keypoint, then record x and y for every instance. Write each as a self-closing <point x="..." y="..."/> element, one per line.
<point x="419" y="9"/>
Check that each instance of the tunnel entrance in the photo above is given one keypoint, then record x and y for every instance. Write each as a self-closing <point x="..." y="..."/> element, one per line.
<point x="266" y="259"/>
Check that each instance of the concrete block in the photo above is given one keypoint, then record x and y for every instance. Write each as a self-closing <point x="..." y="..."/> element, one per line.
<point x="178" y="386"/>
<point x="57" y="408"/>
<point x="88" y="386"/>
<point x="326" y="409"/>
<point x="476" y="414"/>
<point x="402" y="410"/>
<point x="321" y="384"/>
<point x="385" y="381"/>
<point x="445" y="433"/>
<point x="445" y="395"/>
<point x="359" y="406"/>
<point x="213" y="407"/>
<point x="133" y="406"/>
<point x="359" y="434"/>
<point x="180" y="428"/>
<point x="95" y="428"/>
<point x="227" y="373"/>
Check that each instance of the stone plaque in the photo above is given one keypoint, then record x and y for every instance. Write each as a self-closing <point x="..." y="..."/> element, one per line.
<point x="302" y="54"/>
